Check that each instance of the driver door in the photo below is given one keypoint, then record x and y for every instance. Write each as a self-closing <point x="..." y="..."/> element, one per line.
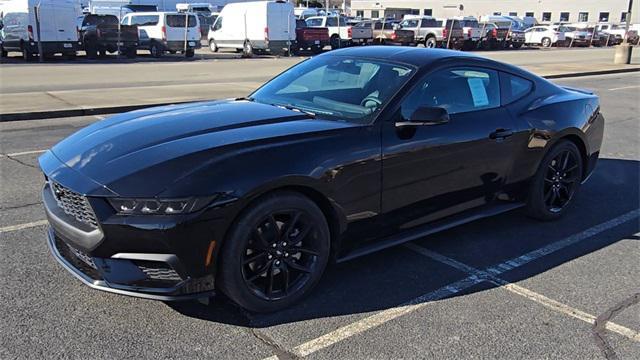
<point x="432" y="171"/>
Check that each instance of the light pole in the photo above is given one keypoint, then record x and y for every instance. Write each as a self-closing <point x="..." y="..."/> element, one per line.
<point x="623" y="51"/>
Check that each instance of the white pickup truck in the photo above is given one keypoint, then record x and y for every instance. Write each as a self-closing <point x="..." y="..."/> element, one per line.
<point x="471" y="31"/>
<point x="432" y="32"/>
<point x="340" y="32"/>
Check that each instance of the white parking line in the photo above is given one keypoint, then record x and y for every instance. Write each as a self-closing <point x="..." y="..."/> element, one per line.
<point x="625" y="88"/>
<point x="522" y="291"/>
<point x="382" y="317"/>
<point x="26" y="152"/>
<point x="23" y="226"/>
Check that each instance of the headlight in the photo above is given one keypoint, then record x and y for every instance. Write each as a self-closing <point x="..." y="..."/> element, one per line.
<point x="159" y="206"/>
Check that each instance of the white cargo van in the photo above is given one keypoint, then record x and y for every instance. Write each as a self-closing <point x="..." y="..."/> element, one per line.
<point x="160" y="32"/>
<point x="57" y="19"/>
<point x="254" y="26"/>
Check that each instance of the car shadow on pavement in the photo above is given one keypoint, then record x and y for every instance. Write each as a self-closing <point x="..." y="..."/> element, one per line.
<point x="394" y="276"/>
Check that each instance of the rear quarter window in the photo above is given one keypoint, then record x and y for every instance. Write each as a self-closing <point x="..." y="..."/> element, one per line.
<point x="145" y="20"/>
<point x="514" y="87"/>
<point x="180" y="20"/>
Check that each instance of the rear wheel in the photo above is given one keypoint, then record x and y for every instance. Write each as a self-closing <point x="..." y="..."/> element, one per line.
<point x="546" y="42"/>
<point x="213" y="46"/>
<point x="276" y="252"/>
<point x="26" y="54"/>
<point x="430" y="42"/>
<point x="335" y="42"/>
<point x="247" y="49"/>
<point x="155" y="50"/>
<point x="190" y="53"/>
<point x="556" y="182"/>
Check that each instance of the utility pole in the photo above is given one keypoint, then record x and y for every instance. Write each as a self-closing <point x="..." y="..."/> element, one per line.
<point x="623" y="51"/>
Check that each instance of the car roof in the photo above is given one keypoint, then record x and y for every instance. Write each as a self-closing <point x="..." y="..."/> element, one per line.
<point x="409" y="55"/>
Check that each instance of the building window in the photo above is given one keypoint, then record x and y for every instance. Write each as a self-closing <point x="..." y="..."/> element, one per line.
<point x="623" y="17"/>
<point x="513" y="13"/>
<point x="546" y="16"/>
<point x="427" y="12"/>
<point x="604" y="17"/>
<point x="375" y="14"/>
<point x="528" y="14"/>
<point x="360" y="13"/>
<point x="583" y="16"/>
<point x="497" y="13"/>
<point x="415" y="11"/>
<point x="564" y="16"/>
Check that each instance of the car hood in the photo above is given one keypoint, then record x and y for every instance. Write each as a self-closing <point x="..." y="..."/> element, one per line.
<point x="142" y="152"/>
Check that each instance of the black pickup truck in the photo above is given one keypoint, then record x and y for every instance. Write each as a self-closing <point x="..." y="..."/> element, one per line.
<point x="100" y="34"/>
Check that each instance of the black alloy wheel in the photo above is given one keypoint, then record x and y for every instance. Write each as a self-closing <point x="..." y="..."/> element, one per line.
<point x="561" y="180"/>
<point x="275" y="253"/>
<point x="556" y="182"/>
<point x="281" y="254"/>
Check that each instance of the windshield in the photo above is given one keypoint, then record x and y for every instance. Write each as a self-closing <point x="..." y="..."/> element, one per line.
<point x="336" y="87"/>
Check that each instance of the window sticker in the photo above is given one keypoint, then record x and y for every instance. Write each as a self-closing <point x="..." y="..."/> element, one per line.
<point x="478" y="92"/>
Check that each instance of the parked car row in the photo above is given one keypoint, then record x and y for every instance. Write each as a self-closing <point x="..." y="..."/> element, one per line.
<point x="273" y="27"/>
<point x="56" y="29"/>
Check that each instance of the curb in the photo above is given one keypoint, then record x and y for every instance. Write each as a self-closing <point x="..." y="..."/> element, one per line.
<point x="42" y="115"/>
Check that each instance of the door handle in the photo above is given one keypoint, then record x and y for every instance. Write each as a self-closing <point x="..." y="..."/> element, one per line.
<point x="501" y="134"/>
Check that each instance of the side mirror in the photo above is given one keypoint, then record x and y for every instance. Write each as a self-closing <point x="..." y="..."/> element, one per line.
<point x="426" y="116"/>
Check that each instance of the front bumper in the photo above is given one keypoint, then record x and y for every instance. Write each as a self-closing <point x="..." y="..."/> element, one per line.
<point x="95" y="278"/>
<point x="92" y="254"/>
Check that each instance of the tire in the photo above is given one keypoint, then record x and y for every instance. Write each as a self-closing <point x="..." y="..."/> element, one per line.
<point x="430" y="42"/>
<point x="247" y="49"/>
<point x="516" y="46"/>
<point x="131" y="53"/>
<point x="27" y="55"/>
<point x="546" y="42"/>
<point x="3" y="53"/>
<point x="548" y="188"/>
<point x="249" y="253"/>
<point x="316" y="50"/>
<point x="190" y="53"/>
<point x="213" y="47"/>
<point x="156" y="50"/>
<point x="335" y="42"/>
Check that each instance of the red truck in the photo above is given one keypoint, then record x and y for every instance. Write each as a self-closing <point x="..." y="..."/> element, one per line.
<point x="310" y="38"/>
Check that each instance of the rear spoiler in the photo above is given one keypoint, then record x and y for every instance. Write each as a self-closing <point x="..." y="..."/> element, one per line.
<point x="578" y="90"/>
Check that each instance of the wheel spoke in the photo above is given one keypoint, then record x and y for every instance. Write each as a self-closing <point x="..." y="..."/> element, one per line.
<point x="270" y="283"/>
<point x="261" y="271"/>
<point x="296" y="250"/>
<point x="298" y="267"/>
<point x="301" y="235"/>
<point x="290" y="225"/>
<point x="263" y="242"/>
<point x="285" y="273"/>
<point x="253" y="258"/>
<point x="274" y="226"/>
<point x="565" y="162"/>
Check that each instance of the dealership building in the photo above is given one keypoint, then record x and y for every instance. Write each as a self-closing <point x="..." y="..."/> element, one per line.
<point x="543" y="10"/>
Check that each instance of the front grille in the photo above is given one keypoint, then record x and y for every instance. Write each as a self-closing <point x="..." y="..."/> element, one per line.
<point x="158" y="271"/>
<point x="77" y="259"/>
<point x="74" y="204"/>
<point x="83" y="256"/>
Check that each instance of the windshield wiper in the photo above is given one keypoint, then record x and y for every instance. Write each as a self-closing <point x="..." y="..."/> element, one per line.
<point x="295" y="108"/>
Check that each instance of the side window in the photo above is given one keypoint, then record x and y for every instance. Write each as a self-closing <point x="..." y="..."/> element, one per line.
<point x="218" y="24"/>
<point x="378" y="26"/>
<point x="514" y="87"/>
<point x="332" y="21"/>
<point x="314" y="22"/>
<point x="457" y="90"/>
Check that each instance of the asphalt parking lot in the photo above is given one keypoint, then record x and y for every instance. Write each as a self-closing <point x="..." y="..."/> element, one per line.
<point x="504" y="287"/>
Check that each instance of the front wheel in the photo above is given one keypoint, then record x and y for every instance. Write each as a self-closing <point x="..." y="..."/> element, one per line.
<point x="556" y="182"/>
<point x="275" y="253"/>
<point x="430" y="43"/>
<point x="213" y="47"/>
<point x="247" y="49"/>
<point x="546" y="42"/>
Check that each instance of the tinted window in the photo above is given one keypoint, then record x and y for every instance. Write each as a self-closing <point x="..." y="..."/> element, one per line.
<point x="515" y="87"/>
<point x="457" y="90"/>
<point x="100" y="20"/>
<point x="315" y="22"/>
<point x="336" y="87"/>
<point x="469" y="23"/>
<point x="218" y="24"/>
<point x="429" y="23"/>
<point x="409" y="23"/>
<point x="332" y="21"/>
<point x="456" y="24"/>
<point x="145" y="20"/>
<point x="179" y="20"/>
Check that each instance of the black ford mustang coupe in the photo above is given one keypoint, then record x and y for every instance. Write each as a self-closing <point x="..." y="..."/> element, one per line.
<point x="343" y="154"/>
